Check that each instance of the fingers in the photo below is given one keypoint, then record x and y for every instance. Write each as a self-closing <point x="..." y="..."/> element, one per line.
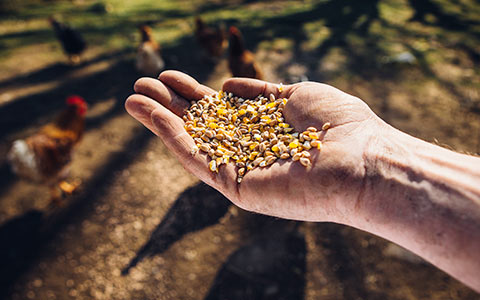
<point x="173" y="90"/>
<point x="251" y="88"/>
<point x="155" y="89"/>
<point x="141" y="107"/>
<point x="184" y="85"/>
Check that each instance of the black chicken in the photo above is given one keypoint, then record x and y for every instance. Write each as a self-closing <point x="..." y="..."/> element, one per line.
<point x="72" y="41"/>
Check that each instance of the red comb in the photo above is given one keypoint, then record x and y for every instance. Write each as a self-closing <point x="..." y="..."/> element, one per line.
<point x="75" y="100"/>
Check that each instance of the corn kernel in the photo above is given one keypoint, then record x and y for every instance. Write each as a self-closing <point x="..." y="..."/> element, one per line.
<point x="280" y="87"/>
<point x="275" y="148"/>
<point x="253" y="155"/>
<point x="271" y="104"/>
<point x="241" y="112"/>
<point x="293" y="144"/>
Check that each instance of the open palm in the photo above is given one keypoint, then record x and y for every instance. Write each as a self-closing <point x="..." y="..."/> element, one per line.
<point x="328" y="190"/>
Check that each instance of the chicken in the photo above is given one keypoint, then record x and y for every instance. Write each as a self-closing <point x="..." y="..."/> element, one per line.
<point x="214" y="41"/>
<point x="149" y="60"/>
<point x="241" y="61"/>
<point x="72" y="41"/>
<point x="45" y="156"/>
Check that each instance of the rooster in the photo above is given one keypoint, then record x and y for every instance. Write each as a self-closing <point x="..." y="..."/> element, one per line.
<point x="212" y="40"/>
<point x="45" y="156"/>
<point x="149" y="61"/>
<point x="241" y="61"/>
<point x="72" y="41"/>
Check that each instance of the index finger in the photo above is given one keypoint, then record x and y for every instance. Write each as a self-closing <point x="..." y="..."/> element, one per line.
<point x="184" y="85"/>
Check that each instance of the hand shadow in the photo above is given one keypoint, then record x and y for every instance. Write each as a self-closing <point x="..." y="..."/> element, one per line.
<point x="196" y="208"/>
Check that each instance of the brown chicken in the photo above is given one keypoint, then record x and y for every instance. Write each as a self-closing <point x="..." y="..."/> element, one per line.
<point x="45" y="156"/>
<point x="149" y="60"/>
<point x="214" y="41"/>
<point x="241" y="61"/>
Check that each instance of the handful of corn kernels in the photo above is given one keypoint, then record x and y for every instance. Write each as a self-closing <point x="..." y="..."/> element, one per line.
<point x="251" y="133"/>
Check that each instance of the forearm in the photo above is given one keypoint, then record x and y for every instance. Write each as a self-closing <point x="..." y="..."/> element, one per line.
<point x="426" y="199"/>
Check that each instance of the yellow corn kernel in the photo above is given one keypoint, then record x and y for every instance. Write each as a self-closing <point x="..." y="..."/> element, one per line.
<point x="234" y="118"/>
<point x="253" y="145"/>
<point x="271" y="104"/>
<point x="245" y="120"/>
<point x="241" y="112"/>
<point x="221" y="111"/>
<point x="275" y="148"/>
<point x="293" y="144"/>
<point x="213" y="125"/>
<point x="252" y="155"/>
<point x="313" y="135"/>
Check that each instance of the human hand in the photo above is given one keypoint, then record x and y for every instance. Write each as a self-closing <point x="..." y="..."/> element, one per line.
<point x="328" y="191"/>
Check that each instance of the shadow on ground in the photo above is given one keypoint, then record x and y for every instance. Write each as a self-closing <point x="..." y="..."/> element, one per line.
<point x="271" y="267"/>
<point x="196" y="208"/>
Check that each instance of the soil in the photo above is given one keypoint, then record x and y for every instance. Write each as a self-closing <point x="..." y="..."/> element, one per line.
<point x="141" y="227"/>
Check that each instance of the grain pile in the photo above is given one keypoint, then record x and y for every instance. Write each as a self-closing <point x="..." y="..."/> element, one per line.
<point x="251" y="133"/>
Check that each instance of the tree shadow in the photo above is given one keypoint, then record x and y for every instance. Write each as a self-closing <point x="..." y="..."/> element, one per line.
<point x="57" y="70"/>
<point x="267" y="268"/>
<point x="423" y="8"/>
<point x="343" y="18"/>
<point x="196" y="208"/>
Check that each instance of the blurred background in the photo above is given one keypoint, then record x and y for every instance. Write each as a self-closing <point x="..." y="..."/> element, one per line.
<point x="138" y="226"/>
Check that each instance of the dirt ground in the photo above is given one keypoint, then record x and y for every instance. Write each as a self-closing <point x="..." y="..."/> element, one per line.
<point x="141" y="227"/>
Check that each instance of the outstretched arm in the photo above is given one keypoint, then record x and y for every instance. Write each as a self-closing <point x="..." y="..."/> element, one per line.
<point x="427" y="199"/>
<point x="368" y="174"/>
